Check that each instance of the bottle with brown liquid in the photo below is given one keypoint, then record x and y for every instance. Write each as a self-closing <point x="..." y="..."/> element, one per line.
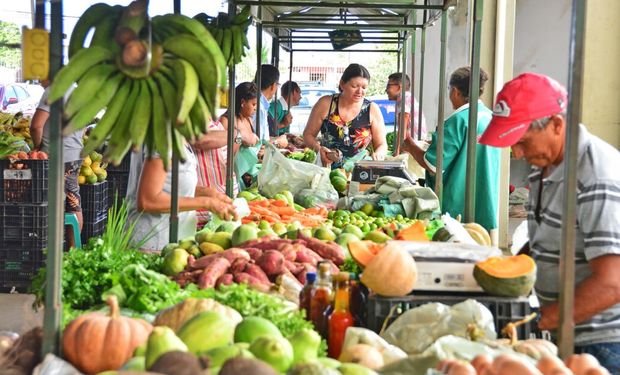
<point x="321" y="299"/>
<point x="307" y="292"/>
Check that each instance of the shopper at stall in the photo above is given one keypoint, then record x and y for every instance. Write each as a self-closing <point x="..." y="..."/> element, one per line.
<point x="455" y="155"/>
<point x="269" y="82"/>
<point x="212" y="150"/>
<point x="72" y="147"/>
<point x="149" y="199"/>
<point x="347" y="121"/>
<point x="279" y="110"/>
<point x="393" y="90"/>
<point x="530" y="117"/>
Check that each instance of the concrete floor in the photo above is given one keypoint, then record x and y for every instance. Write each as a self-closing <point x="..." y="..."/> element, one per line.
<point x="16" y="313"/>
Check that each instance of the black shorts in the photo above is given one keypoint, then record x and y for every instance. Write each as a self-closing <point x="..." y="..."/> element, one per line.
<point x="73" y="201"/>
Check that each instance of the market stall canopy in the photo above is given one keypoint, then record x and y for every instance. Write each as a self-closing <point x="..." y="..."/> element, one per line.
<point x="378" y="21"/>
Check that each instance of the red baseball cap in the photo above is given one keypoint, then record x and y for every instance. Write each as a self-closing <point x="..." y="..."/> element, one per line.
<point x="526" y="98"/>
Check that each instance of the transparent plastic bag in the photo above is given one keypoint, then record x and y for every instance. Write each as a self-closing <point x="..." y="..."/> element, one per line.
<point x="279" y="173"/>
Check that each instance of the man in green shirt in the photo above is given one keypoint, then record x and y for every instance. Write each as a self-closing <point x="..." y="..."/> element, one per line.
<point x="279" y="110"/>
<point x="455" y="155"/>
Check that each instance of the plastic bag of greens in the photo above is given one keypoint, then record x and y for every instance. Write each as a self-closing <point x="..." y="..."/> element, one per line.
<point x="246" y="161"/>
<point x="279" y="173"/>
<point x="418" y="328"/>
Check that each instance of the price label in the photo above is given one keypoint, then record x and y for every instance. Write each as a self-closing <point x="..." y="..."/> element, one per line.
<point x="17" y="174"/>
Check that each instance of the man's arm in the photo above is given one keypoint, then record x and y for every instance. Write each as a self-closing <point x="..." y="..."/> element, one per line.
<point x="417" y="152"/>
<point x="36" y="126"/>
<point x="213" y="139"/>
<point x="597" y="293"/>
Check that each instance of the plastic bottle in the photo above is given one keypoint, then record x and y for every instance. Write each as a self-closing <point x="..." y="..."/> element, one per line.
<point x="321" y="299"/>
<point x="307" y="292"/>
<point x="341" y="318"/>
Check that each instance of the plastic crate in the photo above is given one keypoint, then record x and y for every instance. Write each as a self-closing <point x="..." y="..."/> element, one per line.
<point x="17" y="276"/>
<point x="23" y="226"/>
<point x="123" y="167"/>
<point x="94" y="201"/>
<point x="504" y="309"/>
<point x="29" y="184"/>
<point x="93" y="229"/>
<point x="117" y="186"/>
<point x="22" y="255"/>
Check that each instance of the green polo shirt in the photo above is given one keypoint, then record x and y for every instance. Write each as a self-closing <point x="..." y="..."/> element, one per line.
<point x="455" y="167"/>
<point x="280" y="108"/>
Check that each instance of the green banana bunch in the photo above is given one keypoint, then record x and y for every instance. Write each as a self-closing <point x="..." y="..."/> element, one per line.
<point x="230" y="33"/>
<point x="172" y="102"/>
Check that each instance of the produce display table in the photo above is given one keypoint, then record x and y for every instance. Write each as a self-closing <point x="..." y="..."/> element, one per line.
<point x="504" y="309"/>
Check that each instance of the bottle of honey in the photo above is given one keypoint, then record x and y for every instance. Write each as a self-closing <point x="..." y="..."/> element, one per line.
<point x="322" y="298"/>
<point x="307" y="292"/>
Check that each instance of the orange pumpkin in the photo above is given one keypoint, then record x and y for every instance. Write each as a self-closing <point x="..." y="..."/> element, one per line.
<point x="392" y="272"/>
<point x="97" y="342"/>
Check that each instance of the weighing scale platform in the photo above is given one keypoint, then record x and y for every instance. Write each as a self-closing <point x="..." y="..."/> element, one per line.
<point x="368" y="171"/>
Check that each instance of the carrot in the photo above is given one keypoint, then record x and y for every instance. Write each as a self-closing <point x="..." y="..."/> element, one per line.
<point x="287" y="210"/>
<point x="261" y="203"/>
<point x="279" y="203"/>
<point x="262" y="211"/>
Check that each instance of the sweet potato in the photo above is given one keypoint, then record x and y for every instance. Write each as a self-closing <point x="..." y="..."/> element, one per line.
<point x="254" y="252"/>
<point x="202" y="262"/>
<point x="295" y="268"/>
<point x="234" y="253"/>
<point x="301" y="276"/>
<point x="213" y="272"/>
<point x="257" y="272"/>
<point x="269" y="244"/>
<point x="328" y="250"/>
<point x="305" y="255"/>
<point x="238" y="265"/>
<point x="272" y="262"/>
<point x="289" y="251"/>
<point x="225" y="279"/>
<point x="252" y="281"/>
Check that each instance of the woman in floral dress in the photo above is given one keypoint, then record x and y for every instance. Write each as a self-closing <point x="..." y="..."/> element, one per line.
<point x="347" y="121"/>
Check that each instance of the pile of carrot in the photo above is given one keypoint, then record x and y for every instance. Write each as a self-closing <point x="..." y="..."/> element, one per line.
<point x="275" y="210"/>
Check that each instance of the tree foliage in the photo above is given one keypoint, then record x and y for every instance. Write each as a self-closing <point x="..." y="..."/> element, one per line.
<point x="380" y="67"/>
<point x="10" y="35"/>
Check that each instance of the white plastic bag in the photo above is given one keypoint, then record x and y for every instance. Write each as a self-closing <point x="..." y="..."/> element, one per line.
<point x="358" y="335"/>
<point x="416" y="329"/>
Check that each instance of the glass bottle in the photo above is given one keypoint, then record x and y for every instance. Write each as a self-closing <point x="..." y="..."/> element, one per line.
<point x="341" y="318"/>
<point x="322" y="298"/>
<point x="307" y="292"/>
<point x="357" y="300"/>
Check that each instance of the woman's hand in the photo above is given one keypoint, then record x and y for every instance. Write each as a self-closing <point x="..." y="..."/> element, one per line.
<point x="325" y="160"/>
<point x="379" y="154"/>
<point x="224" y="209"/>
<point x="248" y="138"/>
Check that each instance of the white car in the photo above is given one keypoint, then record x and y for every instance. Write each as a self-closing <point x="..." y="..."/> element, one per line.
<point x="301" y="112"/>
<point x="15" y="98"/>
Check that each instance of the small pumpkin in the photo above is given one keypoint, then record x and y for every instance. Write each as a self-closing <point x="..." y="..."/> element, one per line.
<point x="97" y="342"/>
<point x="392" y="272"/>
<point x="363" y="251"/>
<point x="511" y="276"/>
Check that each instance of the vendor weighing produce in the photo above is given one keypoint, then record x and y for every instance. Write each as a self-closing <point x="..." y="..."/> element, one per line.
<point x="530" y="117"/>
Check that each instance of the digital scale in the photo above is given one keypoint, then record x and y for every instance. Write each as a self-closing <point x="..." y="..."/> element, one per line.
<point x="446" y="266"/>
<point x="368" y="171"/>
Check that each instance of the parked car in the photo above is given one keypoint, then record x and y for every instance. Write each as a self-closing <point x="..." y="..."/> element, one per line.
<point x="301" y="112"/>
<point x="14" y="98"/>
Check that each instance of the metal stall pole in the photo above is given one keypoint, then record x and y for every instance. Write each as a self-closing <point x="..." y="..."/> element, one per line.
<point x="569" y="217"/>
<point x="173" y="230"/>
<point x="259" y="62"/>
<point x="440" y="108"/>
<point x="472" y="128"/>
<point x="400" y="133"/>
<point x="422" y="57"/>
<point x="230" y="155"/>
<point x="53" y="299"/>
<point x="412" y="88"/>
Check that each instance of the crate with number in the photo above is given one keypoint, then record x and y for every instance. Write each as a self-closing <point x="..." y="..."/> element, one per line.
<point x="24" y="181"/>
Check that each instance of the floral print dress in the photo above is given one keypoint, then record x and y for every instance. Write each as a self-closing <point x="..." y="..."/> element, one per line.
<point x="348" y="137"/>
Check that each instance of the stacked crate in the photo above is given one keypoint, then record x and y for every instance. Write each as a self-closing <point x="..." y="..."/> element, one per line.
<point x="94" y="209"/>
<point x="117" y="180"/>
<point x="23" y="221"/>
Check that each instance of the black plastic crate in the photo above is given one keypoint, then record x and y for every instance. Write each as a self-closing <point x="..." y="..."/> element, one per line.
<point x="28" y="184"/>
<point x="117" y="186"/>
<point x="94" y="201"/>
<point x="17" y="276"/>
<point x="93" y="229"/>
<point x="23" y="226"/>
<point x="123" y="167"/>
<point x="22" y="255"/>
<point x="504" y="309"/>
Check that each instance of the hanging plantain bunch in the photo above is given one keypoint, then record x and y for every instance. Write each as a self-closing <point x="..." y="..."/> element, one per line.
<point x="230" y="33"/>
<point x="156" y="78"/>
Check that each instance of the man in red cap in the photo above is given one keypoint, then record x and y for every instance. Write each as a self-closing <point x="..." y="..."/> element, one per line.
<point x="530" y="117"/>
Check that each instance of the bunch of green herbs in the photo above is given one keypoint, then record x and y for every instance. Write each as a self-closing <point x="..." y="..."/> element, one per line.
<point x="88" y="272"/>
